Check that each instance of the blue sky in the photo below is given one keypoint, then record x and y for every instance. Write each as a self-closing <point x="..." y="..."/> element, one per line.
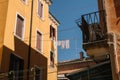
<point x="67" y="11"/>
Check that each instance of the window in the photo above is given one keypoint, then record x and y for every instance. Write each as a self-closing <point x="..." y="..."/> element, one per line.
<point x="24" y="0"/>
<point x="52" y="33"/>
<point x="16" y="65"/>
<point x="40" y="9"/>
<point x="19" y="27"/>
<point x="37" y="73"/>
<point x="51" y="59"/>
<point x="39" y="41"/>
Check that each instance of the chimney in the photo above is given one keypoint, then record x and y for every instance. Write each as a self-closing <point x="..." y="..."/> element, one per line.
<point x="81" y="55"/>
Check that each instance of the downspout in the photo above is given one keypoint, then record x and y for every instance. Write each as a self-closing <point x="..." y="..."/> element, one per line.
<point x="30" y="36"/>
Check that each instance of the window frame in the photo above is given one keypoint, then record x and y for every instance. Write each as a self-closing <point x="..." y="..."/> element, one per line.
<point x="25" y="2"/>
<point x="52" y="63"/>
<point x="52" y="36"/>
<point x="42" y="12"/>
<point x="15" y="59"/>
<point x="38" y="31"/>
<point x="23" y="32"/>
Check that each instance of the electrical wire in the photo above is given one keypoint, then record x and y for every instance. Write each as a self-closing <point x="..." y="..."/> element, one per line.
<point x="63" y="30"/>
<point x="33" y="40"/>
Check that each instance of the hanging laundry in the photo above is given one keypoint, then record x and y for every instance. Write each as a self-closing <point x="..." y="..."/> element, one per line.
<point x="63" y="44"/>
<point x="58" y="43"/>
<point x="67" y="44"/>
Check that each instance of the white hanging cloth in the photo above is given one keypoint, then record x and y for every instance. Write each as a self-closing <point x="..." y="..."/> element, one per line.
<point x="65" y="44"/>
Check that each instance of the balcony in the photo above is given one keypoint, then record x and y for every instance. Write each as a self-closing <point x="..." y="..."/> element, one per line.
<point x="94" y="29"/>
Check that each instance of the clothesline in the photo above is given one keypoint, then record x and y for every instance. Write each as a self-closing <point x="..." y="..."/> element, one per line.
<point x="65" y="44"/>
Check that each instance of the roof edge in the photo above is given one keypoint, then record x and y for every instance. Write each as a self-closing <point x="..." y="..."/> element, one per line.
<point x="54" y="19"/>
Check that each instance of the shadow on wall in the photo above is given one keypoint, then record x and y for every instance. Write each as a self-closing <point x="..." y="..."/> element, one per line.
<point x="21" y="51"/>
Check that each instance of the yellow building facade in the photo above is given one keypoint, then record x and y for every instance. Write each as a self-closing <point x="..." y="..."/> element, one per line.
<point x="15" y="25"/>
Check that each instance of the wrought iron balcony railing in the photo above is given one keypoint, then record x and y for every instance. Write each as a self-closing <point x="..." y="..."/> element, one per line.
<point x="93" y="26"/>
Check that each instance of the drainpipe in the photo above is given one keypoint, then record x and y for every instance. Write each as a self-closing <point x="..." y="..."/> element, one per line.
<point x="30" y="36"/>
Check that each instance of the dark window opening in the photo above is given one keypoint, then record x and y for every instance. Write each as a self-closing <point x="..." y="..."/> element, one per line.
<point x="37" y="73"/>
<point x="51" y="59"/>
<point x="16" y="68"/>
<point x="52" y="32"/>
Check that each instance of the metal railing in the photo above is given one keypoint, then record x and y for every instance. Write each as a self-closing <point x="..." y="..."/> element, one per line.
<point x="93" y="26"/>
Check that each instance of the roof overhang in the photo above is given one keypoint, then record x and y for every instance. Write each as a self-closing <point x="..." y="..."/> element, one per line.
<point x="49" y="2"/>
<point x="53" y="19"/>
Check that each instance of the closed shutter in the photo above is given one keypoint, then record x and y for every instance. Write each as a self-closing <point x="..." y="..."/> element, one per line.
<point x="40" y="9"/>
<point x="39" y="41"/>
<point x="19" y="26"/>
